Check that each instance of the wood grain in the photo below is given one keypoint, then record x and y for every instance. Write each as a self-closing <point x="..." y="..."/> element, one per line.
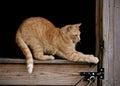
<point x="111" y="27"/>
<point x="116" y="43"/>
<point x="43" y="74"/>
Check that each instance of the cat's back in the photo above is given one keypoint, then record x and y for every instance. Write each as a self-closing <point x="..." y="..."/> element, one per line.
<point x="35" y="26"/>
<point x="36" y="22"/>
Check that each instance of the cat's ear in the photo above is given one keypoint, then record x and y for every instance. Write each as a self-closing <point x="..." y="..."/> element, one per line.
<point x="70" y="28"/>
<point x="78" y="25"/>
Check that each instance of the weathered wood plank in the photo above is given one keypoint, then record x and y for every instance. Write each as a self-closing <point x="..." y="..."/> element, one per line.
<point x="106" y="40"/>
<point x="43" y="74"/>
<point x="116" y="43"/>
<point x="111" y="19"/>
<point x="110" y="44"/>
<point x="10" y="60"/>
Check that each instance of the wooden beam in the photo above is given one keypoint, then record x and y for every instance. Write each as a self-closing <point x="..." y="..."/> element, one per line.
<point x="56" y="72"/>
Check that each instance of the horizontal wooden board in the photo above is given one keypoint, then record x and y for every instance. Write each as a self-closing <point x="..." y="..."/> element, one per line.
<point x="62" y="73"/>
<point x="58" y="61"/>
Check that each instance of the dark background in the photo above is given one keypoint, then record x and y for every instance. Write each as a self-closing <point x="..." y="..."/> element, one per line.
<point x="58" y="12"/>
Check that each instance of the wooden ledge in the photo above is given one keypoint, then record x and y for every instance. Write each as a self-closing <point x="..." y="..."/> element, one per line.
<point x="58" y="61"/>
<point x="45" y="73"/>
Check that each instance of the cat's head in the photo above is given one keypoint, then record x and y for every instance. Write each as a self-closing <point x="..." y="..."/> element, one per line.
<point x="73" y="32"/>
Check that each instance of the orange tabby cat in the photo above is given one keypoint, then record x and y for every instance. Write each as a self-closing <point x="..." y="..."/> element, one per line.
<point x="40" y="36"/>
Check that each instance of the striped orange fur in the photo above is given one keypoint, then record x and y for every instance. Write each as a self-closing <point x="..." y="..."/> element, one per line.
<point x="37" y="35"/>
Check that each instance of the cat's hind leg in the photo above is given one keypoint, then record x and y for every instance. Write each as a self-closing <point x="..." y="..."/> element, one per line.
<point x="38" y="53"/>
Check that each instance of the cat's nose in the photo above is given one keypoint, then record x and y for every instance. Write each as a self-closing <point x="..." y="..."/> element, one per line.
<point x="79" y="38"/>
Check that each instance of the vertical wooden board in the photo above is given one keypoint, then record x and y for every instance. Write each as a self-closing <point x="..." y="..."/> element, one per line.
<point x="110" y="47"/>
<point x="108" y="26"/>
<point x="105" y="38"/>
<point x="111" y="19"/>
<point x="116" y="43"/>
<point x="97" y="27"/>
<point x="43" y="74"/>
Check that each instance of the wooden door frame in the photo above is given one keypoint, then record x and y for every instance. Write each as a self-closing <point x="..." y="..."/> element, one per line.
<point x="99" y="29"/>
<point x="99" y="35"/>
<point x="108" y="29"/>
<point x="111" y="35"/>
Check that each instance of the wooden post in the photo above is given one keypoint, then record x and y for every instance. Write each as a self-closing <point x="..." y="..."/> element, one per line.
<point x="111" y="35"/>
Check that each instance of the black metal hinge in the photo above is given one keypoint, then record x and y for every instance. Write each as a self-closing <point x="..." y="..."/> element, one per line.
<point x="102" y="44"/>
<point x="99" y="74"/>
<point x="90" y="76"/>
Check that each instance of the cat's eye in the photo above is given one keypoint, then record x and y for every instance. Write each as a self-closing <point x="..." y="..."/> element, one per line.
<point x="76" y="35"/>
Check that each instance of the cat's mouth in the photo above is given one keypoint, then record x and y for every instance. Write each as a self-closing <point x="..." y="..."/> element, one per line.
<point x="76" y="41"/>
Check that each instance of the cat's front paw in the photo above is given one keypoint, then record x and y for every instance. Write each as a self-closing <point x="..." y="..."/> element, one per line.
<point x="96" y="60"/>
<point x="93" y="59"/>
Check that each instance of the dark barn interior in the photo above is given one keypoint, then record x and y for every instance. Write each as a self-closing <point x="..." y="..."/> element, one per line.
<point x="59" y="13"/>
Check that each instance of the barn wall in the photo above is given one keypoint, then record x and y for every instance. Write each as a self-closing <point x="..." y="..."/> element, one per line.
<point x="111" y="33"/>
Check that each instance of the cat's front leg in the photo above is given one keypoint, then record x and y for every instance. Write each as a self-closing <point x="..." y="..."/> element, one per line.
<point x="80" y="57"/>
<point x="91" y="59"/>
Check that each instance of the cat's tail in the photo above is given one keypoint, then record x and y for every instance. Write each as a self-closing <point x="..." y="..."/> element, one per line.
<point x="26" y="51"/>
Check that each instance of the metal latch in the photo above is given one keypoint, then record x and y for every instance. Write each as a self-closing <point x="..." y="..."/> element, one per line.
<point x="90" y="76"/>
<point x="99" y="74"/>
